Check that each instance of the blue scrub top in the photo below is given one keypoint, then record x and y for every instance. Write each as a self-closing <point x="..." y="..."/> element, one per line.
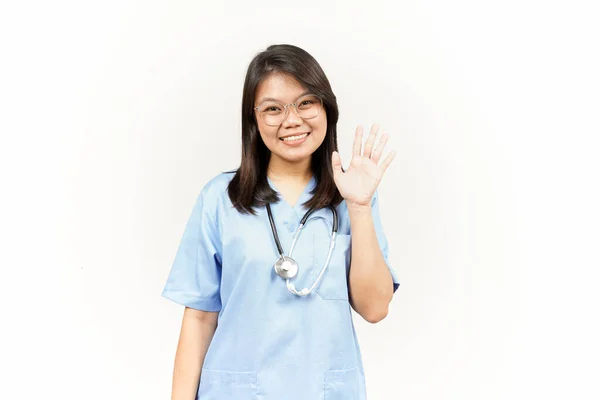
<point x="269" y="343"/>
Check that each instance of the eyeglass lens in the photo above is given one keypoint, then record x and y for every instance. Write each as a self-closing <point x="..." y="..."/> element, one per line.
<point x="274" y="113"/>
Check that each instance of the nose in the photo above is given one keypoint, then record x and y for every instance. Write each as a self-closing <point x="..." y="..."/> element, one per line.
<point x="292" y="118"/>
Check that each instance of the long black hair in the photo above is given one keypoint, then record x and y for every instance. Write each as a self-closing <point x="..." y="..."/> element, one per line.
<point x="249" y="187"/>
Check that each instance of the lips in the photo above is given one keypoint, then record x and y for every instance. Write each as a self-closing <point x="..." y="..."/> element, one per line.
<point x="295" y="134"/>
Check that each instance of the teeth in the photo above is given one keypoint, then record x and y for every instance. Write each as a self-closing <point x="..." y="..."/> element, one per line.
<point x="292" y="138"/>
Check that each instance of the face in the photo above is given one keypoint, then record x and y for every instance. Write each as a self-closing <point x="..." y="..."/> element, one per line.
<point x="286" y="90"/>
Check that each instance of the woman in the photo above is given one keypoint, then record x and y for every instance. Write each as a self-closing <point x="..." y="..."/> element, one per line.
<point x="254" y="326"/>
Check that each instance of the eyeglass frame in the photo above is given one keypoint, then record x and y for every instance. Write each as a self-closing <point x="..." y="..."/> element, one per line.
<point x="287" y="110"/>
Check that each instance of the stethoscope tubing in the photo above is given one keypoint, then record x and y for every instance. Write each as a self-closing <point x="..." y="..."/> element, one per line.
<point x="290" y="286"/>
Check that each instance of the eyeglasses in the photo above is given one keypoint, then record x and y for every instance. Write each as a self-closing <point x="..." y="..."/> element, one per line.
<point x="273" y="112"/>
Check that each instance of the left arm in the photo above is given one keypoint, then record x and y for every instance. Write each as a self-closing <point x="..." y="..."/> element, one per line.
<point x="370" y="281"/>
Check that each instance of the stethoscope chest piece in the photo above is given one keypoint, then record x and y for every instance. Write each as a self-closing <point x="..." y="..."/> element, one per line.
<point x="286" y="267"/>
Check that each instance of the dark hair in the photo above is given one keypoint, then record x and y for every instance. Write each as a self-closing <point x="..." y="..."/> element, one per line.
<point x="249" y="187"/>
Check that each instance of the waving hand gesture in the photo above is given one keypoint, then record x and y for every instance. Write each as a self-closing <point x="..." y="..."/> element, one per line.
<point x="358" y="184"/>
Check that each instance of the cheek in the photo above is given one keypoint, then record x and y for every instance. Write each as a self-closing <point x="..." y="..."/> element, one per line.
<point x="324" y="124"/>
<point x="268" y="134"/>
<point x="265" y="131"/>
<point x="320" y="126"/>
<point x="321" y="121"/>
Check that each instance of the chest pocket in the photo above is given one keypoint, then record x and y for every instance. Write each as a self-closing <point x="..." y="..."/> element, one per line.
<point x="334" y="283"/>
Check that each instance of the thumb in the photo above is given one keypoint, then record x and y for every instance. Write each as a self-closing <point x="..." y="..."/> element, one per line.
<point x="336" y="163"/>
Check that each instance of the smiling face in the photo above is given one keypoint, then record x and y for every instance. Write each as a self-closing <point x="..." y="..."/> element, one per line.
<point x="297" y="146"/>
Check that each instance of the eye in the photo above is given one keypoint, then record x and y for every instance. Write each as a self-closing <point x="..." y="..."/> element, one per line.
<point x="308" y="102"/>
<point x="271" y="109"/>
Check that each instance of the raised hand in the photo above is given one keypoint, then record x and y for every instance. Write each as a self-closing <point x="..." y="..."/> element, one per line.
<point x="358" y="184"/>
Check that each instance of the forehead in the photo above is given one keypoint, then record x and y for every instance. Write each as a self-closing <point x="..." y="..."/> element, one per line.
<point x="281" y="87"/>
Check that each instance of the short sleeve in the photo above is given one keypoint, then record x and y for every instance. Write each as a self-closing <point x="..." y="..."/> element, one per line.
<point x="383" y="244"/>
<point x="195" y="276"/>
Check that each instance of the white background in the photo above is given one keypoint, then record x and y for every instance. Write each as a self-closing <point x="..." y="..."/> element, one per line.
<point x="114" y="114"/>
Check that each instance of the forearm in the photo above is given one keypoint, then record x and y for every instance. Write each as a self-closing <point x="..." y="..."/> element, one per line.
<point x="197" y="330"/>
<point x="370" y="281"/>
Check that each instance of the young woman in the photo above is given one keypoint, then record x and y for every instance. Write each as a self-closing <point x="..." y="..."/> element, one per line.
<point x="276" y="253"/>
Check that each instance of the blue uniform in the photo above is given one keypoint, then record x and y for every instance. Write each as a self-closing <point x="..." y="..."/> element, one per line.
<point x="269" y="343"/>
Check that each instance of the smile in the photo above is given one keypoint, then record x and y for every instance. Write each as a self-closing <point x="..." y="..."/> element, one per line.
<point x="296" y="138"/>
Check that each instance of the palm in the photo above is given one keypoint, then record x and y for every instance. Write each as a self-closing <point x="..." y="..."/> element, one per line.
<point x="359" y="182"/>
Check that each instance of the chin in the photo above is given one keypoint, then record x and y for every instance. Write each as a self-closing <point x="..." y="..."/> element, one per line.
<point x="296" y="158"/>
<point x="293" y="156"/>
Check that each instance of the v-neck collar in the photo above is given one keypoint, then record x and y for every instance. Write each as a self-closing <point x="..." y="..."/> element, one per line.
<point x="304" y="196"/>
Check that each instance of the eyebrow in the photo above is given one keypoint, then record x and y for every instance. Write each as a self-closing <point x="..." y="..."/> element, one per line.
<point x="262" y="100"/>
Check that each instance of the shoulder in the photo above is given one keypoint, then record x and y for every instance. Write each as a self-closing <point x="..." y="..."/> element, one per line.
<point x="217" y="185"/>
<point x="213" y="196"/>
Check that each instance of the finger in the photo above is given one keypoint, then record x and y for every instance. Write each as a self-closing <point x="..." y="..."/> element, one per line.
<point x="379" y="148"/>
<point x="336" y="162"/>
<point x="357" y="141"/>
<point x="387" y="161"/>
<point x="371" y="140"/>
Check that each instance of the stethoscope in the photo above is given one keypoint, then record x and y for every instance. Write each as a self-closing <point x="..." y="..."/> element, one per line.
<point x="286" y="267"/>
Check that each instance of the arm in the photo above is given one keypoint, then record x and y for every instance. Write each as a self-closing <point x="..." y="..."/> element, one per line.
<point x="370" y="281"/>
<point x="197" y="330"/>
<point x="370" y="285"/>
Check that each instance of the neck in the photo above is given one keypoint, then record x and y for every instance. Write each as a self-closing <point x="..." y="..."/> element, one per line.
<point x="279" y="169"/>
